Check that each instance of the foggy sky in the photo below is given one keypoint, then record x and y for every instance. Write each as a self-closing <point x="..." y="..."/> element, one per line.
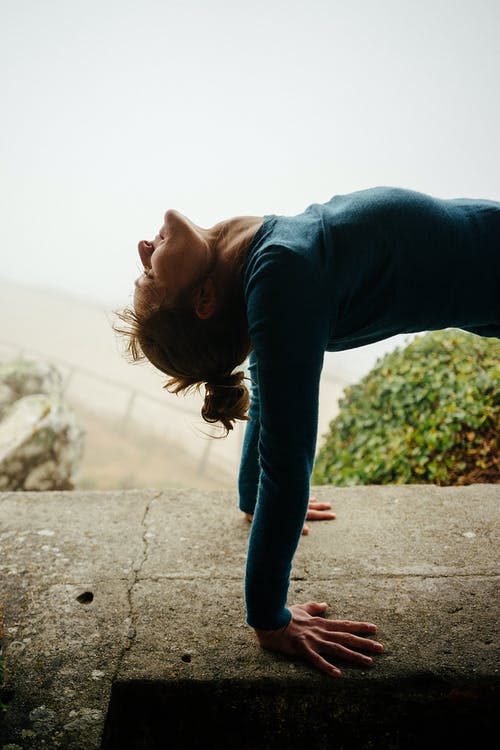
<point x="115" y="111"/>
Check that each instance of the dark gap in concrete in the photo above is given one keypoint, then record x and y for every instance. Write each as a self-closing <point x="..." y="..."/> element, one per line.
<point x="422" y="712"/>
<point x="85" y="598"/>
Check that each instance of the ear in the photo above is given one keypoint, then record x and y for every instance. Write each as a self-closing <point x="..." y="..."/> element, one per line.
<point x="205" y="299"/>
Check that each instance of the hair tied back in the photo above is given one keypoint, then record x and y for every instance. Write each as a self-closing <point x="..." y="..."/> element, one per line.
<point x="226" y="400"/>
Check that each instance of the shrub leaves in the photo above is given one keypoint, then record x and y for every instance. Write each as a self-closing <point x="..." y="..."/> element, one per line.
<point x="427" y="413"/>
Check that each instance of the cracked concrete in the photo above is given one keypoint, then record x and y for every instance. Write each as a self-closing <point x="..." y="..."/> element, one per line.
<point x="137" y="567"/>
<point x="139" y="595"/>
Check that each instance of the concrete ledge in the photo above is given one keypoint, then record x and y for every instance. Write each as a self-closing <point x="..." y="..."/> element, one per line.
<point x="133" y="602"/>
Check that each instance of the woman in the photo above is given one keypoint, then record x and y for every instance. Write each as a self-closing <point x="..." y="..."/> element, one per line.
<point x="284" y="290"/>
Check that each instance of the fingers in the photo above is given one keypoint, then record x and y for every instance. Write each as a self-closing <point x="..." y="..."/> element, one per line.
<point x="348" y="626"/>
<point x="317" y="505"/>
<point x="342" y="652"/>
<point x="319" y="511"/>
<point x="327" y="634"/>
<point x="352" y="641"/>
<point x="312" y="637"/>
<point x="319" y="515"/>
<point x="315" y="608"/>
<point x="319" y="662"/>
<point x="342" y="626"/>
<point x="339" y="637"/>
<point x="312" y="652"/>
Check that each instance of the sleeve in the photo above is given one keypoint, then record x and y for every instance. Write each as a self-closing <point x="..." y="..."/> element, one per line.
<point x="288" y="328"/>
<point x="248" y="477"/>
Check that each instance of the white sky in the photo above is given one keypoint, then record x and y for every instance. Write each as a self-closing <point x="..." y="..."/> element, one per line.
<point x="115" y="111"/>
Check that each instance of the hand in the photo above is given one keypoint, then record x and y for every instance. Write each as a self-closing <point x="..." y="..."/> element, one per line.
<point x="316" y="511"/>
<point x="308" y="635"/>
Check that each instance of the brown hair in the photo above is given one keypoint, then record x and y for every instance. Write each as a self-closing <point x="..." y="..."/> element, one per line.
<point x="193" y="352"/>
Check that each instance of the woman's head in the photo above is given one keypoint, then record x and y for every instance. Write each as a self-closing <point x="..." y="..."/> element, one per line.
<point x="188" y="317"/>
<point x="174" y="261"/>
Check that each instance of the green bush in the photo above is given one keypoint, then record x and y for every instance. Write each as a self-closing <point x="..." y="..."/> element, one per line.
<point x="428" y="413"/>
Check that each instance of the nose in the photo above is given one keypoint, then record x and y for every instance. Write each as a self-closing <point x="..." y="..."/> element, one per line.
<point x="146" y="250"/>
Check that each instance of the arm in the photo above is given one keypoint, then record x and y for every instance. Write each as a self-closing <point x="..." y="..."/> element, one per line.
<point x="288" y="325"/>
<point x="287" y="440"/>
<point x="289" y="330"/>
<point x="276" y="529"/>
<point x="249" y="473"/>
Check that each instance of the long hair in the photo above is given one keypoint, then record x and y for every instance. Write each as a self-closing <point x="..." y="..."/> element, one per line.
<point x="193" y="352"/>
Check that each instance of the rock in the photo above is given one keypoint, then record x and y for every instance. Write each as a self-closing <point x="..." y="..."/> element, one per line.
<point x="44" y="720"/>
<point x="41" y="445"/>
<point x="22" y="377"/>
<point x="7" y="397"/>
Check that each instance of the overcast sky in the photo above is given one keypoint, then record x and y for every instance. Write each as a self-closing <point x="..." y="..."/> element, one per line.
<point x="115" y="111"/>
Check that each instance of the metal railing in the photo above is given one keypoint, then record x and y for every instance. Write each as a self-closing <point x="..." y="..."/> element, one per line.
<point x="137" y="408"/>
<point x="135" y="402"/>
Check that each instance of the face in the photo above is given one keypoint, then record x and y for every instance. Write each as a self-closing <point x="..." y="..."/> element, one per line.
<point x="173" y="261"/>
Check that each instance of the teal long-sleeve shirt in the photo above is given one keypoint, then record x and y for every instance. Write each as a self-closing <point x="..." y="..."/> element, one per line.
<point x="357" y="269"/>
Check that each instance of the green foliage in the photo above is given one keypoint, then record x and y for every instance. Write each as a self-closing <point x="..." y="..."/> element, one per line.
<point x="428" y="413"/>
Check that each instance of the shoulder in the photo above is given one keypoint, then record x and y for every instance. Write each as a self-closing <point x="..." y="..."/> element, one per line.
<point x="278" y="276"/>
<point x="266" y="262"/>
<point x="284" y="304"/>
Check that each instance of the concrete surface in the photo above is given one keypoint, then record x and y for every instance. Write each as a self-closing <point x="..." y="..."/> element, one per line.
<point x="133" y="602"/>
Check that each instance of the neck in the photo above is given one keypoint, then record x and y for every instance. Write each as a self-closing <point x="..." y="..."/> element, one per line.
<point x="234" y="234"/>
<point x="228" y="240"/>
